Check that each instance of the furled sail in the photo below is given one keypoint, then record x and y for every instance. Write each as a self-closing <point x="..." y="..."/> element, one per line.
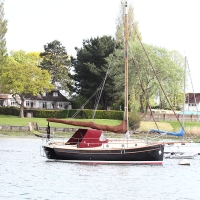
<point x="121" y="128"/>
<point x="179" y="134"/>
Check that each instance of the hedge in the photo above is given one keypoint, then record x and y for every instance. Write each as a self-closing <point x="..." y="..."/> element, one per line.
<point x="83" y="114"/>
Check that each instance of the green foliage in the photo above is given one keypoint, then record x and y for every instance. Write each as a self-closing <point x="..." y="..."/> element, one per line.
<point x="22" y="78"/>
<point x="78" y="101"/>
<point x="84" y="114"/>
<point x="14" y="111"/>
<point x="109" y="114"/>
<point x="149" y="77"/>
<point x="19" y="56"/>
<point x="134" y="120"/>
<point x="91" y="67"/>
<point x="3" y="31"/>
<point x="133" y="29"/>
<point x="49" y="113"/>
<point x="32" y="58"/>
<point x="57" y="62"/>
<point x="100" y="114"/>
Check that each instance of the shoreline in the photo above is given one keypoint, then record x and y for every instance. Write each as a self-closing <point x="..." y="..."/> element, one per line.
<point x="37" y="134"/>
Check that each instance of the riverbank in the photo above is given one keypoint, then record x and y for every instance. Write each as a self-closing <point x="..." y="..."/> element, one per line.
<point x="17" y="134"/>
<point x="138" y="135"/>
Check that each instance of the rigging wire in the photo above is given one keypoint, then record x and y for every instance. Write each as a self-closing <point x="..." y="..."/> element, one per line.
<point x="103" y="83"/>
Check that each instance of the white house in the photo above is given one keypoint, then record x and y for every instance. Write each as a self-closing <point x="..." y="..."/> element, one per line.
<point x="51" y="100"/>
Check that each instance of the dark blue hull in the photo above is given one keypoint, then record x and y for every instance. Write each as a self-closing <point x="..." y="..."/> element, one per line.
<point x="152" y="154"/>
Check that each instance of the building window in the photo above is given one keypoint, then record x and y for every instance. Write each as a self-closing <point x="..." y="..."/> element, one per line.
<point x="60" y="105"/>
<point x="55" y="94"/>
<point x="32" y="104"/>
<point x="44" y="104"/>
<point x="13" y="103"/>
<point x="28" y="103"/>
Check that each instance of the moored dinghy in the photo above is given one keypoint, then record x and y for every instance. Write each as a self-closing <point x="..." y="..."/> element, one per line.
<point x="184" y="162"/>
<point x="90" y="146"/>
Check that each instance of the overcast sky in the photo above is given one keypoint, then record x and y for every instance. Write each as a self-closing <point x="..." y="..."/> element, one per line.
<point x="172" y="24"/>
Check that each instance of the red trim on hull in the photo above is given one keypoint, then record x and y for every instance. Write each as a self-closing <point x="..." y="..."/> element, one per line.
<point x="110" y="162"/>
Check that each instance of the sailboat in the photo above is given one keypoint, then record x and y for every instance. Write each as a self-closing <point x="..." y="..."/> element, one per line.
<point x="89" y="145"/>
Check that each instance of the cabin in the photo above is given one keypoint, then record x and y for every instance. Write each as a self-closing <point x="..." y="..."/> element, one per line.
<point x="51" y="101"/>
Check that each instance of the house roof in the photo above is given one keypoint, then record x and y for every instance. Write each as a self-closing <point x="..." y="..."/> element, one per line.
<point x="190" y="98"/>
<point x="5" y="96"/>
<point x="49" y="97"/>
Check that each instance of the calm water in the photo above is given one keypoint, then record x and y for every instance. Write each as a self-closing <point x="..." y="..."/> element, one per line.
<point x="24" y="174"/>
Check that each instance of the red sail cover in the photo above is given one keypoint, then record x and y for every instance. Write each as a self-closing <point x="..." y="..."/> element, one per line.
<point x="85" y="138"/>
<point x="121" y="128"/>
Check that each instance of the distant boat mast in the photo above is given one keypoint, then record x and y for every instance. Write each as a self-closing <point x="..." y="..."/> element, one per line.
<point x="126" y="65"/>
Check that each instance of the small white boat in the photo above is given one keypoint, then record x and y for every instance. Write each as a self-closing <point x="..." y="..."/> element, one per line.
<point x="179" y="155"/>
<point x="184" y="162"/>
<point x="182" y="147"/>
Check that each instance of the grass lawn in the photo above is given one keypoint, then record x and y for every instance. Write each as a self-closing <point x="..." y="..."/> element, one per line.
<point x="16" y="121"/>
<point x="192" y="128"/>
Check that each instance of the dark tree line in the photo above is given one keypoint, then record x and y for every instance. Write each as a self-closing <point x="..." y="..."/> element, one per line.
<point x="83" y="74"/>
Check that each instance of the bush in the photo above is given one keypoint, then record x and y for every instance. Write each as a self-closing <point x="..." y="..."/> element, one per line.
<point x="134" y="120"/>
<point x="83" y="114"/>
<point x="9" y="111"/>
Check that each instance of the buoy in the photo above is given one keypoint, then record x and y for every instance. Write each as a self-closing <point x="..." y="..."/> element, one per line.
<point x="184" y="162"/>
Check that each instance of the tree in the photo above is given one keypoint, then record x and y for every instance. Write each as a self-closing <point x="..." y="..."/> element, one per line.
<point x="33" y="58"/>
<point x="19" y="56"/>
<point x="57" y="62"/>
<point x="168" y="70"/>
<point x="133" y="29"/>
<point x="3" y="30"/>
<point x="90" y="68"/>
<point x="23" y="79"/>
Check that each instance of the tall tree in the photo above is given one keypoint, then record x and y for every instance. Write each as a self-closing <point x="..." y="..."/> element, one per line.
<point x="56" y="60"/>
<point x="132" y="24"/>
<point x="166" y="74"/>
<point x="3" y="30"/>
<point x="23" y="79"/>
<point x="168" y="70"/>
<point x="91" y="66"/>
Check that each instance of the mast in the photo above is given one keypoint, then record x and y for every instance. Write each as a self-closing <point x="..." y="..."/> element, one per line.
<point x="184" y="94"/>
<point x="126" y="65"/>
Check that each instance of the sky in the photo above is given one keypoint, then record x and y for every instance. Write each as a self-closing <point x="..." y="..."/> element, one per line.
<point x="172" y="24"/>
